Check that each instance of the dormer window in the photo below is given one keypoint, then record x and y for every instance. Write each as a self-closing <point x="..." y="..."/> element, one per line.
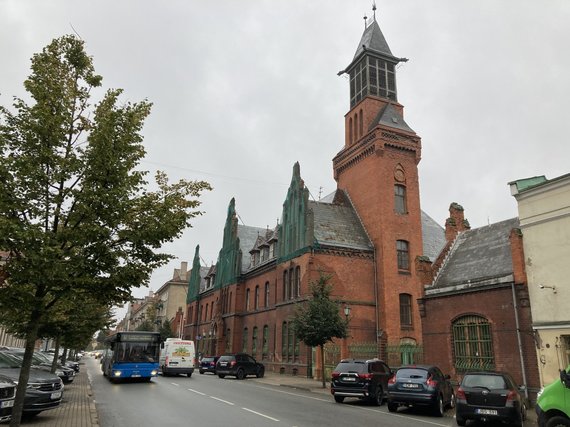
<point x="272" y="250"/>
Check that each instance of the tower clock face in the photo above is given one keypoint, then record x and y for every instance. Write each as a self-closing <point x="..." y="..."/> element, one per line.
<point x="399" y="175"/>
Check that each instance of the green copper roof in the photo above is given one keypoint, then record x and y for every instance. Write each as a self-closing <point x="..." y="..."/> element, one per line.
<point x="526" y="183"/>
<point x="195" y="279"/>
<point x="228" y="267"/>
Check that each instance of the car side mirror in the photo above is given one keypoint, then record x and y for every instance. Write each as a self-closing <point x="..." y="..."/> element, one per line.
<point x="565" y="378"/>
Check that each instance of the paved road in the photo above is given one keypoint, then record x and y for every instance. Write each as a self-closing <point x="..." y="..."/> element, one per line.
<point x="209" y="401"/>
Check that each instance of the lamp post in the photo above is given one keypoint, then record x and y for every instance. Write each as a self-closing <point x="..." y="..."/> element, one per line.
<point x="344" y="351"/>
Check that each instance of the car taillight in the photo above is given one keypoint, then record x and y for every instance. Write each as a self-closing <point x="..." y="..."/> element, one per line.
<point x="511" y="398"/>
<point x="392" y="380"/>
<point x="233" y="363"/>
<point x="166" y="360"/>
<point x="212" y="364"/>
<point x="430" y="382"/>
<point x="365" y="376"/>
<point x="335" y="374"/>
<point x="460" y="394"/>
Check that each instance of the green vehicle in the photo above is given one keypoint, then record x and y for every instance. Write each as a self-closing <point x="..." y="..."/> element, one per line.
<point x="553" y="403"/>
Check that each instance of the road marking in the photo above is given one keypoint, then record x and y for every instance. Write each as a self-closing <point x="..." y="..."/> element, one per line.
<point x="197" y="392"/>
<point x="260" y="414"/>
<point x="222" y="400"/>
<point x="175" y="384"/>
<point x="304" y="396"/>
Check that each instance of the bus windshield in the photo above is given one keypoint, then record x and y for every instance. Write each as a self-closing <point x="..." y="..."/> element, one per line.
<point x="136" y="351"/>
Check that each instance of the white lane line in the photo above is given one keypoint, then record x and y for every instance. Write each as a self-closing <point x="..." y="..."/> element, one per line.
<point x="197" y="392"/>
<point x="222" y="400"/>
<point x="304" y="396"/>
<point x="260" y="414"/>
<point x="177" y="385"/>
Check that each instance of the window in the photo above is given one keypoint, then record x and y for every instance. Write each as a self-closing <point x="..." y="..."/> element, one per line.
<point x="247" y="300"/>
<point x="254" y="342"/>
<point x="266" y="294"/>
<point x="265" y="254"/>
<point x="361" y="124"/>
<point x="265" y="343"/>
<point x="291" y="284"/>
<point x="228" y="340"/>
<point x="372" y="76"/>
<point x="271" y="250"/>
<point x="244" y="340"/>
<point x="400" y="199"/>
<point x="256" y="302"/>
<point x="284" y="341"/>
<point x="472" y="343"/>
<point x="403" y="255"/>
<point x="297" y="281"/>
<point x="285" y="287"/>
<point x="350" y="131"/>
<point x="405" y="310"/>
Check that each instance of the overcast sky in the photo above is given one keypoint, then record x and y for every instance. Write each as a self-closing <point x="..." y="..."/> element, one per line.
<point x="244" y="89"/>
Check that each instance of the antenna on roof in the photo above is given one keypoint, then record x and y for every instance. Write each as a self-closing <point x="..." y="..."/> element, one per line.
<point x="365" y="18"/>
<point x="320" y="191"/>
<point x="374" y="9"/>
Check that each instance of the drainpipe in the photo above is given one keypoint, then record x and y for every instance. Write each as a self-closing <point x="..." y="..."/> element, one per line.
<point x="376" y="298"/>
<point x="515" y="306"/>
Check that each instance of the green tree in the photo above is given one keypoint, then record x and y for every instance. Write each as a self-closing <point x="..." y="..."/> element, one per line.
<point x="76" y="211"/>
<point x="165" y="330"/>
<point x="318" y="321"/>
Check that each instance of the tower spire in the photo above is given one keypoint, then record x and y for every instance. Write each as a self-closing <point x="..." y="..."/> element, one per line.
<point x="374" y="9"/>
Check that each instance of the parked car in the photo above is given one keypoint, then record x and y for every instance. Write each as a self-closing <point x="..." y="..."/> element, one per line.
<point x="423" y="386"/>
<point x="44" y="391"/>
<point x="553" y="402"/>
<point x="492" y="396"/>
<point x="208" y="364"/>
<point x="7" y="395"/>
<point x="363" y="379"/>
<point x="239" y="365"/>
<point x="66" y="374"/>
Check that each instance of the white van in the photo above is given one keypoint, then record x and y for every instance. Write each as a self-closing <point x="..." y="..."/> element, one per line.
<point x="177" y="356"/>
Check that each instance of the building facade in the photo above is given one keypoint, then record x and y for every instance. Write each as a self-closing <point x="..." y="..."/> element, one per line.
<point x="544" y="215"/>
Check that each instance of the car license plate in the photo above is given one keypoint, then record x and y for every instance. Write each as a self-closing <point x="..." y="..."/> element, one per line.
<point x="349" y="379"/>
<point x="173" y="363"/>
<point x="7" y="404"/>
<point x="56" y="395"/>
<point x="136" y="375"/>
<point x="486" y="411"/>
<point x="410" y="385"/>
<point x="223" y="363"/>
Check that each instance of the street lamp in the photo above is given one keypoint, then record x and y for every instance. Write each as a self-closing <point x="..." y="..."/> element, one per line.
<point x="346" y="311"/>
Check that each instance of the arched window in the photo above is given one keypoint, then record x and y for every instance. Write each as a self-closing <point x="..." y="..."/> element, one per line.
<point x="472" y="343"/>
<point x="228" y="340"/>
<point x="291" y="283"/>
<point x="254" y="342"/>
<point x="400" y="205"/>
<point x="256" y="306"/>
<point x="356" y="126"/>
<point x="244" y="340"/>
<point x="284" y="341"/>
<point x="297" y="281"/>
<point x="405" y="311"/>
<point x="230" y="303"/>
<point x="402" y="250"/>
<point x="265" y="344"/>
<point x="350" y="131"/>
<point x="266" y="294"/>
<point x="247" y="299"/>
<point x="361" y="124"/>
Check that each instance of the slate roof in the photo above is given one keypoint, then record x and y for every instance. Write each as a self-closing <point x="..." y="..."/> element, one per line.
<point x="433" y="236"/>
<point x="338" y="225"/>
<point x="247" y="239"/>
<point x="389" y="116"/>
<point x="373" y="39"/>
<point x="481" y="255"/>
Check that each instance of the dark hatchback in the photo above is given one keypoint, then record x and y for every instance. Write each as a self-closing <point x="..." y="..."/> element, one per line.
<point x="239" y="365"/>
<point x="363" y="379"/>
<point x="208" y="364"/>
<point x="44" y="391"/>
<point x="423" y="386"/>
<point x="490" y="396"/>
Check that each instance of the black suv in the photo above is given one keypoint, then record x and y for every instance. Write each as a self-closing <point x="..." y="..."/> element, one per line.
<point x="421" y="385"/>
<point x="364" y="379"/>
<point x="239" y="365"/>
<point x="490" y="396"/>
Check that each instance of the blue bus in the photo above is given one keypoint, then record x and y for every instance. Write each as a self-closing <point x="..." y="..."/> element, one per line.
<point x="131" y="355"/>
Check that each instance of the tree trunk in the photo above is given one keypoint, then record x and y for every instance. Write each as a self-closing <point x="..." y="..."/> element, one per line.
<point x="55" y="356"/>
<point x="31" y="337"/>
<point x="323" y="365"/>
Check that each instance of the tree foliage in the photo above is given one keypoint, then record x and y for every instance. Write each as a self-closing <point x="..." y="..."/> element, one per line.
<point x="318" y="321"/>
<point x="77" y="214"/>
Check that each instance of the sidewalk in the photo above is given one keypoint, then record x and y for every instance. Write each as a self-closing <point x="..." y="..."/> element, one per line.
<point x="77" y="408"/>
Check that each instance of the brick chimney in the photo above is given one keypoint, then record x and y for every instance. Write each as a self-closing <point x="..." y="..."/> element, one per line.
<point x="456" y="222"/>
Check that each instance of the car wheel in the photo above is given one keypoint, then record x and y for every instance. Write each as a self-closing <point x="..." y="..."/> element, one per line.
<point x="460" y="421"/>
<point x="339" y="399"/>
<point x="201" y="372"/>
<point x="523" y="411"/>
<point x="189" y="374"/>
<point x="378" y="397"/>
<point x="452" y="400"/>
<point x="558" y="422"/>
<point x="260" y="373"/>
<point x="221" y="375"/>
<point x="240" y="374"/>
<point x="392" y="407"/>
<point x="438" y="408"/>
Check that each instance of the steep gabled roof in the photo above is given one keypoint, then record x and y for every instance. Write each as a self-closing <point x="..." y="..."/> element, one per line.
<point x="479" y="256"/>
<point x="338" y="225"/>
<point x="247" y="240"/>
<point x="389" y="116"/>
<point x="433" y="237"/>
<point x="373" y="39"/>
